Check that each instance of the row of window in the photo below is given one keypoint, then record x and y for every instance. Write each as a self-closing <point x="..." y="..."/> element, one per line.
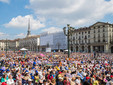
<point x="99" y="40"/>
<point x="99" y="30"/>
<point x="88" y="41"/>
<point x="99" y="35"/>
<point x="82" y="41"/>
<point x="81" y="37"/>
<point x="100" y="26"/>
<point x="103" y="30"/>
<point x="82" y="33"/>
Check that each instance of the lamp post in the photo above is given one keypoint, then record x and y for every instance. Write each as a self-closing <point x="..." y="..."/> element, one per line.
<point x="68" y="33"/>
<point x="58" y="44"/>
<point x="6" y="47"/>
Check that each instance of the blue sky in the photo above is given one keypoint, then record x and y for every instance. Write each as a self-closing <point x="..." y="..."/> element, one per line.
<point x="50" y="15"/>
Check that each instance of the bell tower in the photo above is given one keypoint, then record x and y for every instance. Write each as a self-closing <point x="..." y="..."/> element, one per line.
<point x="28" y="32"/>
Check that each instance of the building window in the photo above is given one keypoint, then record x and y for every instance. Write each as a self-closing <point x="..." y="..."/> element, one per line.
<point x="88" y="32"/>
<point x="85" y="41"/>
<point x="98" y="26"/>
<point x="79" y="37"/>
<point x="94" y="40"/>
<point x="98" y="30"/>
<point x="103" y="25"/>
<point x="98" y="40"/>
<point x="88" y="41"/>
<point x="79" y="41"/>
<point x="94" y="31"/>
<point x="103" y="34"/>
<point x="99" y="35"/>
<point x="103" y="40"/>
<point x="109" y="29"/>
<point x="94" y="36"/>
<point x="82" y="41"/>
<point x="85" y="37"/>
<point x="73" y="38"/>
<point x="103" y="30"/>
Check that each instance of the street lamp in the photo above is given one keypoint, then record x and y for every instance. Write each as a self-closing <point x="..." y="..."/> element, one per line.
<point x="6" y="46"/>
<point x="58" y="44"/>
<point x="68" y="33"/>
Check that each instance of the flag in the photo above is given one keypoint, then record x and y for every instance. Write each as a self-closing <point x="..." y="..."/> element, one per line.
<point x="24" y="55"/>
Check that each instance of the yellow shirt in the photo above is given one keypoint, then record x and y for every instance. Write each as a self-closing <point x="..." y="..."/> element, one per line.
<point x="95" y="82"/>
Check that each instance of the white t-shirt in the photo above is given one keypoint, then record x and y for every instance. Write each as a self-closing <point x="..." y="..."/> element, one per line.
<point x="10" y="81"/>
<point x="8" y="74"/>
<point x="78" y="81"/>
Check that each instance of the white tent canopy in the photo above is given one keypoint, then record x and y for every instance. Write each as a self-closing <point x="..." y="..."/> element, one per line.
<point x="65" y="50"/>
<point x="23" y="49"/>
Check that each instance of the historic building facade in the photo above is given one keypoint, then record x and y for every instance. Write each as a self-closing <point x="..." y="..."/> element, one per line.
<point x="31" y="43"/>
<point x="2" y="45"/>
<point x="98" y="37"/>
<point x="9" y="45"/>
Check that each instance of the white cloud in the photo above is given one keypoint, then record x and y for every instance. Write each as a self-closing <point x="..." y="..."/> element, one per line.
<point x="1" y="33"/>
<point x="5" y="1"/>
<point x="22" y="22"/>
<point x="75" y="12"/>
<point x="52" y="30"/>
<point x="20" y="35"/>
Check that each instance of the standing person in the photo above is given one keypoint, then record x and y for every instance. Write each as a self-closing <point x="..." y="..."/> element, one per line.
<point x="50" y="76"/>
<point x="4" y="78"/>
<point x="53" y="82"/>
<point x="36" y="78"/>
<point x="34" y="63"/>
<point x="78" y="81"/>
<point x="86" y="82"/>
<point x="80" y="74"/>
<point x="8" y="72"/>
<point x="26" y="78"/>
<point x="45" y="82"/>
<point x="73" y="81"/>
<point x="66" y="81"/>
<point x="111" y="81"/>
<point x="92" y="79"/>
<point x="19" y="79"/>
<point x="60" y="81"/>
<point x="10" y="81"/>
<point x="41" y="78"/>
<point x="96" y="82"/>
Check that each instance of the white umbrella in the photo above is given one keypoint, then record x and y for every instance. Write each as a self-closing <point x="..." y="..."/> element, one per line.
<point x="23" y="49"/>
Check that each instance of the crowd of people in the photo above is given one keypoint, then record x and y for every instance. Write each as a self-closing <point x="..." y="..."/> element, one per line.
<point x="55" y="69"/>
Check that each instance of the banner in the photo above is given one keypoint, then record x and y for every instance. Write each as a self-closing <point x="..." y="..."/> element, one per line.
<point x="48" y="49"/>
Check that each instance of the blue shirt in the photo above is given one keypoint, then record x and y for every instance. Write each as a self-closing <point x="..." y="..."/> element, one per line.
<point x="79" y="74"/>
<point x="34" y="63"/>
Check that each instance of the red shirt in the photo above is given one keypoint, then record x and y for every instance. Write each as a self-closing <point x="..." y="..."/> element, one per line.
<point x="49" y="77"/>
<point x="66" y="82"/>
